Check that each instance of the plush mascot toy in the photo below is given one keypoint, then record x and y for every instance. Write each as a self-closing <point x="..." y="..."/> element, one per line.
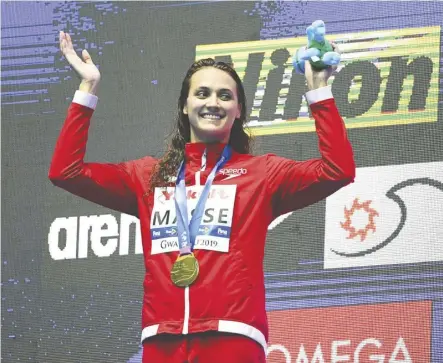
<point x="319" y="51"/>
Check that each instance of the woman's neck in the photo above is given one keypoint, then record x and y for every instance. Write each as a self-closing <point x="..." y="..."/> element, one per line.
<point x="208" y="140"/>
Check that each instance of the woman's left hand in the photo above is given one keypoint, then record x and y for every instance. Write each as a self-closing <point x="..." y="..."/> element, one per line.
<point x="316" y="79"/>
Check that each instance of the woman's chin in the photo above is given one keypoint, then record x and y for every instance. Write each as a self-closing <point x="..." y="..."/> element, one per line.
<point x="205" y="122"/>
<point x="212" y="133"/>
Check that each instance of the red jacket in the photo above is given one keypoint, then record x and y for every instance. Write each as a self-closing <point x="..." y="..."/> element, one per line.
<point x="247" y="194"/>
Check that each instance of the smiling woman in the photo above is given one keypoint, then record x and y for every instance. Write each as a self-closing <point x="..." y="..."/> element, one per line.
<point x="204" y="231"/>
<point x="211" y="88"/>
<point x="213" y="91"/>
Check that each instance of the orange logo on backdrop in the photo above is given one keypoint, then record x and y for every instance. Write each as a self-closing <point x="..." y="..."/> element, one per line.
<point x="395" y="332"/>
<point x="347" y="225"/>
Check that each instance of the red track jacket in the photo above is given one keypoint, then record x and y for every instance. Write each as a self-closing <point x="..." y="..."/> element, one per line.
<point x="246" y="195"/>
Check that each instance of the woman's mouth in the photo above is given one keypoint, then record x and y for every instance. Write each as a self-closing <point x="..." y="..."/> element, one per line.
<point x="211" y="116"/>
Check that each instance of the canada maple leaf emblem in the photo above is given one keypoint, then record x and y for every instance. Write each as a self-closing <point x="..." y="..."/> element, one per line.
<point x="370" y="225"/>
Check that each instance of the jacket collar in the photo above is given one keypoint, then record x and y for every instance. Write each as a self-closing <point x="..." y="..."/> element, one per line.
<point x="199" y="154"/>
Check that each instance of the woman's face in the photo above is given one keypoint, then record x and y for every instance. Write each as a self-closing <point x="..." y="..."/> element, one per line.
<point x="212" y="105"/>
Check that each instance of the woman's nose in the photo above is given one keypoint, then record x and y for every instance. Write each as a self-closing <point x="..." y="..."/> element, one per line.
<point x="212" y="101"/>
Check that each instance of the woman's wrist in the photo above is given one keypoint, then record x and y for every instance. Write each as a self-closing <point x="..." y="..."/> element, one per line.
<point x="317" y="84"/>
<point x="89" y="87"/>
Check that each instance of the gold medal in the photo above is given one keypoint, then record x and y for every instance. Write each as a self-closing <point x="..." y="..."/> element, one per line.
<point x="185" y="270"/>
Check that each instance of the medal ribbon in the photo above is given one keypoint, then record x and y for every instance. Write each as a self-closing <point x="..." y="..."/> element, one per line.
<point x="187" y="231"/>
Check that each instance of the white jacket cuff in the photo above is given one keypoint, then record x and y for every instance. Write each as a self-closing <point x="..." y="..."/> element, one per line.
<point x="319" y="94"/>
<point x="85" y="99"/>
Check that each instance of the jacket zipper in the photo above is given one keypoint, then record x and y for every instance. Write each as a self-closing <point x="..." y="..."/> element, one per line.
<point x="187" y="302"/>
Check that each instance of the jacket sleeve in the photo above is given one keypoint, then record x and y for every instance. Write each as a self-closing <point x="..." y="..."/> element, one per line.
<point x="109" y="185"/>
<point x="296" y="184"/>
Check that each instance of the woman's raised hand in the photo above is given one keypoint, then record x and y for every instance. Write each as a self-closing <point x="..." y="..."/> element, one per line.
<point x="317" y="79"/>
<point x="85" y="68"/>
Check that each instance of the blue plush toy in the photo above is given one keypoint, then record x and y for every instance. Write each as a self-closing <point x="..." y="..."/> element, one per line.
<point x="319" y="51"/>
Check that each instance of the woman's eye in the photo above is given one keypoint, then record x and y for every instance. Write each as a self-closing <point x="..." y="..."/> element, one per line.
<point x="201" y="93"/>
<point x="225" y="96"/>
<point x="222" y="96"/>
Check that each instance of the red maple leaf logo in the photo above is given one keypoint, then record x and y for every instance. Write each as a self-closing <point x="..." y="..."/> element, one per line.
<point x="347" y="224"/>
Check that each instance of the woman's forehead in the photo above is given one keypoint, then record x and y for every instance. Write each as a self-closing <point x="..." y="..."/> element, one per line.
<point x="211" y="77"/>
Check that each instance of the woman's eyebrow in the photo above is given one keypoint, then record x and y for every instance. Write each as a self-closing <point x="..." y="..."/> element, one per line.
<point x="225" y="89"/>
<point x="205" y="88"/>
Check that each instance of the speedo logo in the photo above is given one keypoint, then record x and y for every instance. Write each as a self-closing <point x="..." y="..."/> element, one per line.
<point x="232" y="173"/>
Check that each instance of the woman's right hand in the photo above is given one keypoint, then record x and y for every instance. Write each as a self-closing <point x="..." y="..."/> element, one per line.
<point x="86" y="69"/>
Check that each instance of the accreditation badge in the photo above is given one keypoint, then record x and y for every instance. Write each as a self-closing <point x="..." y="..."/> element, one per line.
<point x="215" y="227"/>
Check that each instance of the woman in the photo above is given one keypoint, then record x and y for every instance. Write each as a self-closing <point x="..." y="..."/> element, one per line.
<point x="204" y="296"/>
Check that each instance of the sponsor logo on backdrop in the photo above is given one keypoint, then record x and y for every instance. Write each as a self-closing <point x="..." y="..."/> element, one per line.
<point x="391" y="333"/>
<point x="389" y="215"/>
<point x="99" y="235"/>
<point x="386" y="77"/>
